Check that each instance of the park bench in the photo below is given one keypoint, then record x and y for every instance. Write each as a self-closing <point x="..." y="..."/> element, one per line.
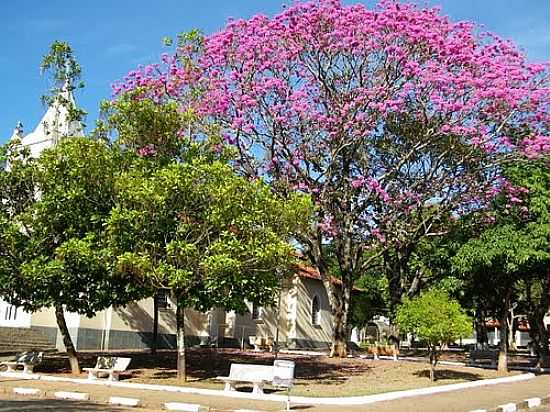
<point x="484" y="355"/>
<point x="261" y="343"/>
<point x="281" y="374"/>
<point x="108" y="366"/>
<point x="28" y="360"/>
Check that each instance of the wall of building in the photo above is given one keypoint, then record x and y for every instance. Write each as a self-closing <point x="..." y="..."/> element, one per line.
<point x="309" y="335"/>
<point x="13" y="317"/>
<point x="131" y="326"/>
<point x="291" y="317"/>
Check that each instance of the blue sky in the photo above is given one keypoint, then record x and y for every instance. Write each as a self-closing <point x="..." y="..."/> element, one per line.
<point x="110" y="37"/>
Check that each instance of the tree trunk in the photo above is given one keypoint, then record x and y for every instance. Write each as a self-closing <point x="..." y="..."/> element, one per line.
<point x="339" y="347"/>
<point x="481" y="329"/>
<point x="395" y="288"/>
<point x="511" y="331"/>
<point x="67" y="341"/>
<point x="339" y="299"/>
<point x="537" y="329"/>
<point x="180" y="322"/>
<point x="539" y="336"/>
<point x="154" y="342"/>
<point x="542" y="349"/>
<point x="396" y="271"/>
<point x="503" y="354"/>
<point x="433" y="361"/>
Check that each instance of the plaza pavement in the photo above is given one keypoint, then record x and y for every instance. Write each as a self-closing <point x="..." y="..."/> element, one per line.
<point x="11" y="404"/>
<point x="487" y="397"/>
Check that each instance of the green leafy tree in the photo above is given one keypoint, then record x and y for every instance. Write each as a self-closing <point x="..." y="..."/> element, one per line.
<point x="434" y="318"/>
<point x="513" y="254"/>
<point x="212" y="237"/>
<point x="53" y="214"/>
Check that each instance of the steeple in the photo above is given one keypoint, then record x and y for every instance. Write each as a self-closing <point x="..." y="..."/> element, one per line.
<point x="56" y="124"/>
<point x="53" y="126"/>
<point x="17" y="132"/>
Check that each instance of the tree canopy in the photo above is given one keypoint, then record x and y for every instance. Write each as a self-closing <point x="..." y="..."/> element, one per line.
<point x="54" y="210"/>
<point x="213" y="238"/>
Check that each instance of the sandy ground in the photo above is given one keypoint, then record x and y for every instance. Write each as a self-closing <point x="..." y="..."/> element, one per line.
<point x="315" y="375"/>
<point x="458" y="401"/>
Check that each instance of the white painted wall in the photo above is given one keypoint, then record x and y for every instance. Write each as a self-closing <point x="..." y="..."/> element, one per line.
<point x="13" y="317"/>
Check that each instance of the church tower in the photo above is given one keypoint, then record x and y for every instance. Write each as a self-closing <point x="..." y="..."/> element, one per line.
<point x="54" y="125"/>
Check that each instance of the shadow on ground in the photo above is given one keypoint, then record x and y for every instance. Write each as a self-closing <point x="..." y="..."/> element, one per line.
<point x="205" y="364"/>
<point x="446" y="374"/>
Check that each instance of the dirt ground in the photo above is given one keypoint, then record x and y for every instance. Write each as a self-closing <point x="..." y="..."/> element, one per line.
<point x="457" y="401"/>
<point x="315" y="375"/>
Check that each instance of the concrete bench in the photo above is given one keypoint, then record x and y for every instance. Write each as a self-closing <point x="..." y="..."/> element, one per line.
<point x="257" y="375"/>
<point x="28" y="360"/>
<point x="108" y="366"/>
<point x="484" y="355"/>
<point x="281" y="374"/>
<point x="261" y="343"/>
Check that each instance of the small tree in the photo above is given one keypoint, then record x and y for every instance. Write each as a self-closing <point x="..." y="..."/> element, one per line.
<point x="434" y="318"/>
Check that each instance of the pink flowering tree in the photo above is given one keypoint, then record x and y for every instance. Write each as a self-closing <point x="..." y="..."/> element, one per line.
<point x="392" y="119"/>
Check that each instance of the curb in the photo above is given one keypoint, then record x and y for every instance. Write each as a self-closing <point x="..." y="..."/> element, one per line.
<point x="117" y="400"/>
<point x="27" y="392"/>
<point x="519" y="406"/>
<point x="182" y="407"/>
<point x="72" y="396"/>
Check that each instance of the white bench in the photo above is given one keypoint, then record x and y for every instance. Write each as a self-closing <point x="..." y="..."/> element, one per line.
<point x="28" y="360"/>
<point x="258" y="375"/>
<point x="108" y="366"/>
<point x="281" y="374"/>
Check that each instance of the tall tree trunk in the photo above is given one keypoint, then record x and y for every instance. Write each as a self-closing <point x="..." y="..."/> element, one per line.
<point x="67" y="341"/>
<point x="154" y="343"/>
<point x="180" y="322"/>
<point x="503" y="353"/>
<point x="339" y="300"/>
<point x="341" y="315"/>
<point x="396" y="269"/>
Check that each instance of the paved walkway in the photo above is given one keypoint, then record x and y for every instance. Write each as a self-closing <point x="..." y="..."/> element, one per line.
<point x="457" y="401"/>
<point x="10" y="404"/>
<point x="487" y="397"/>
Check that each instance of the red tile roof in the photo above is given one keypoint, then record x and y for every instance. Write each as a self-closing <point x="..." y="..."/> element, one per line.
<point x="309" y="272"/>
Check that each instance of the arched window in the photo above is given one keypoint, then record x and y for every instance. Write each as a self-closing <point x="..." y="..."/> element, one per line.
<point x="315" y="311"/>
